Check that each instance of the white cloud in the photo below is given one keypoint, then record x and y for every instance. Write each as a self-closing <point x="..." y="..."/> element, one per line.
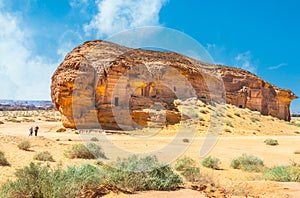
<point x="277" y="66"/>
<point x="23" y="75"/>
<point x="244" y="61"/>
<point x="119" y="15"/>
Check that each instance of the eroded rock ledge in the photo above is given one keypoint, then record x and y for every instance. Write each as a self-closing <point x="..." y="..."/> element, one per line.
<point x="101" y="83"/>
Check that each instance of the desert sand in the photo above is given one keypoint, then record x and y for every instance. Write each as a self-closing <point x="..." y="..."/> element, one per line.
<point x="245" y="136"/>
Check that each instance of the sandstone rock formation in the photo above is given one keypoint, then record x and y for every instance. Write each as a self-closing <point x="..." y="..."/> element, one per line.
<point x="115" y="87"/>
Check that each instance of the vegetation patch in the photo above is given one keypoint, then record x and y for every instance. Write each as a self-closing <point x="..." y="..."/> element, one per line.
<point x="144" y="173"/>
<point x="237" y="114"/>
<point x="185" y="140"/>
<point x="3" y="160"/>
<point x="132" y="174"/>
<point x="283" y="174"/>
<point x="94" y="139"/>
<point x="41" y="181"/>
<point x="24" y="145"/>
<point x="44" y="156"/>
<point x="211" y="162"/>
<point x="61" y="130"/>
<point x="271" y="142"/>
<point x="247" y="163"/>
<point x="88" y="151"/>
<point x="183" y="163"/>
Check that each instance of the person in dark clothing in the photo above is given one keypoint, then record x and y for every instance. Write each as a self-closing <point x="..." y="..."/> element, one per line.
<point x="36" y="129"/>
<point x="30" y="131"/>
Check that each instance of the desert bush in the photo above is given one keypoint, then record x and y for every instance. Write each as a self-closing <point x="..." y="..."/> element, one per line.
<point x="69" y="139"/>
<point x="297" y="152"/>
<point x="283" y="174"/>
<point x="185" y="140"/>
<point x="271" y="142"/>
<point x="3" y="160"/>
<point x="203" y="110"/>
<point x="43" y="156"/>
<point x="144" y="173"/>
<point x="227" y="130"/>
<point x="229" y="124"/>
<point x="61" y="130"/>
<point x="294" y="123"/>
<point x="57" y="139"/>
<point x="211" y="162"/>
<point x="24" y="145"/>
<point x="88" y="151"/>
<point x="28" y="120"/>
<point x="94" y="139"/>
<point x="297" y="132"/>
<point x="229" y="115"/>
<point x="254" y="119"/>
<point x="183" y="163"/>
<point x="42" y="182"/>
<point x="191" y="174"/>
<point x="132" y="173"/>
<point x="1" y="122"/>
<point x="247" y="163"/>
<point x="237" y="114"/>
<point x="13" y="120"/>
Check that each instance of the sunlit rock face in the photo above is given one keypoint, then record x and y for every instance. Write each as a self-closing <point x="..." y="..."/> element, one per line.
<point x="101" y="84"/>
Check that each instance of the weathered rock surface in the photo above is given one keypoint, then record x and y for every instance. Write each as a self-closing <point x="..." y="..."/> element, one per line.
<point x="101" y="83"/>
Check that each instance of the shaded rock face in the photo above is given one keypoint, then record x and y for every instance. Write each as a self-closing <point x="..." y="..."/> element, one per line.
<point x="101" y="84"/>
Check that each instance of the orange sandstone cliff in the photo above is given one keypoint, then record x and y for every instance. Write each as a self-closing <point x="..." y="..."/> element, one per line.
<point x="102" y="84"/>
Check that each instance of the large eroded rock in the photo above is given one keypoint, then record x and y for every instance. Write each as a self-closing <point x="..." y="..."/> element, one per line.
<point x="101" y="83"/>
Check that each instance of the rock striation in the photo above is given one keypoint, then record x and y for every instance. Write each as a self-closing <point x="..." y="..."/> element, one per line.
<point x="104" y="84"/>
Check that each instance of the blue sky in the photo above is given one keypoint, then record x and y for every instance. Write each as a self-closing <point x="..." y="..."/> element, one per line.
<point x="35" y="35"/>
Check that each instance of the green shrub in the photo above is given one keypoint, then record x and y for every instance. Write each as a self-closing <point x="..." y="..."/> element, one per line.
<point x="191" y="174"/>
<point x="145" y="173"/>
<point x="271" y="142"/>
<point x="3" y="160"/>
<point x="283" y="174"/>
<point x="247" y="163"/>
<point x="185" y="140"/>
<point x="254" y="119"/>
<point x="229" y="124"/>
<point x="211" y="162"/>
<point x="24" y="145"/>
<point x="94" y="139"/>
<point x="60" y="130"/>
<point x="237" y="114"/>
<point x="132" y="174"/>
<point x="88" y="151"/>
<point x="183" y="163"/>
<point x="44" y="156"/>
<point x="42" y="182"/>
<point x="229" y="115"/>
<point x="227" y="130"/>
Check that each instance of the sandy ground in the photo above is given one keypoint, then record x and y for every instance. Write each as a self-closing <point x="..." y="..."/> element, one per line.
<point x="228" y="146"/>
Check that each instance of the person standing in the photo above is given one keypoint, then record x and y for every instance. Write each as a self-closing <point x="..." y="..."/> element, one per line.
<point x="30" y="131"/>
<point x="36" y="129"/>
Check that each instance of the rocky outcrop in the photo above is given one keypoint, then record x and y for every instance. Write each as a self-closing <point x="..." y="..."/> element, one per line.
<point x="115" y="87"/>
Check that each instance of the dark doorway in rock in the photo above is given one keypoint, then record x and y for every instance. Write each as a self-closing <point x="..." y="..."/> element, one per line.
<point x="174" y="88"/>
<point x="116" y="101"/>
<point x="241" y="106"/>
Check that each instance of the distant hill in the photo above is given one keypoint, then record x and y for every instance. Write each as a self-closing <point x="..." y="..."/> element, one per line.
<point x="25" y="105"/>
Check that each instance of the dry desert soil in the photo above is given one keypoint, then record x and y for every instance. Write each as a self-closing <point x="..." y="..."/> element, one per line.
<point x="243" y="131"/>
